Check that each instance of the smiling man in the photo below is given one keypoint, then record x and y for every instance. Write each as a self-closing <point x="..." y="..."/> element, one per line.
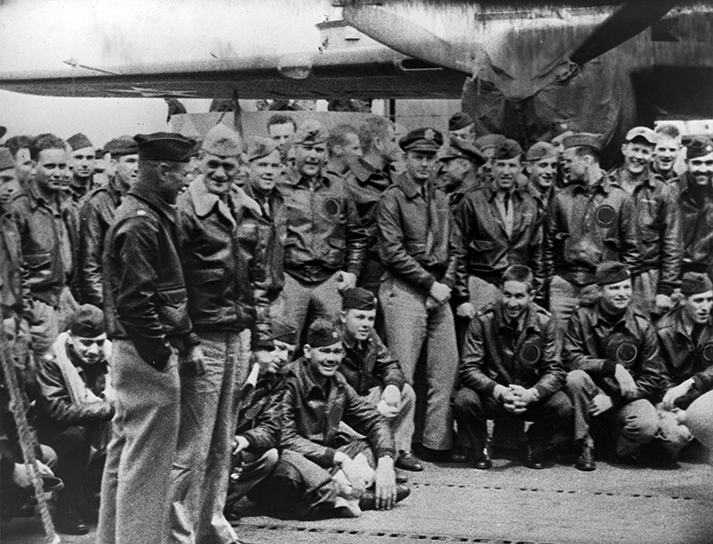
<point x="658" y="223"/>
<point x="612" y="353"/>
<point x="542" y="167"/>
<point x="326" y="242"/>
<point x="666" y="152"/>
<point x="82" y="159"/>
<point x="696" y="202"/>
<point x="511" y="369"/>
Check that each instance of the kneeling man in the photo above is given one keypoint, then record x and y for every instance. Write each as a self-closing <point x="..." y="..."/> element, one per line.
<point x="511" y="368"/>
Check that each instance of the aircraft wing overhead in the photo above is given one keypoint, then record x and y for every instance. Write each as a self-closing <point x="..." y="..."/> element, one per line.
<point x="373" y="72"/>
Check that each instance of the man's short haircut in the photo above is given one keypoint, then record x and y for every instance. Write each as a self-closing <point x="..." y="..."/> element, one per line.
<point x="587" y="151"/>
<point x="668" y="130"/>
<point x="375" y="127"/>
<point x="519" y="273"/>
<point x="16" y="143"/>
<point x="45" y="141"/>
<point x="338" y="135"/>
<point x="281" y="119"/>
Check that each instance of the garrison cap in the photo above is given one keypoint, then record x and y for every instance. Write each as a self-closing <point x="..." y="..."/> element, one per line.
<point x="541" y="150"/>
<point x="508" y="149"/>
<point x="642" y="133"/>
<point x="222" y="141"/>
<point x="489" y="141"/>
<point x="698" y="146"/>
<point x="79" y="141"/>
<point x="284" y="331"/>
<point x="164" y="146"/>
<point x="463" y="150"/>
<point x="310" y="132"/>
<point x="6" y="161"/>
<point x="358" y="298"/>
<point x="694" y="283"/>
<point x="459" y="121"/>
<point x="587" y="139"/>
<point x="610" y="272"/>
<point x="559" y="139"/>
<point x="426" y="140"/>
<point x="123" y="145"/>
<point x="323" y="333"/>
<point x="87" y="321"/>
<point x="259" y="147"/>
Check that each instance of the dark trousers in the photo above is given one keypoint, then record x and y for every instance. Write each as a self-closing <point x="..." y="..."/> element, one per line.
<point x="472" y="411"/>
<point x="72" y="445"/>
<point x="252" y="469"/>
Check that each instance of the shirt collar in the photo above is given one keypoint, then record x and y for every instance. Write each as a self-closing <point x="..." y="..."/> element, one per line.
<point x="627" y="318"/>
<point x="150" y="197"/>
<point x="528" y="319"/>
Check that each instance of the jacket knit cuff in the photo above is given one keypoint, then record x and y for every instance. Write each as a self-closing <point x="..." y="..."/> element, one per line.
<point x="608" y="368"/>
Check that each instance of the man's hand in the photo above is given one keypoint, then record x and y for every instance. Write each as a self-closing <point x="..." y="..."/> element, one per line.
<point x="600" y="404"/>
<point x="524" y="397"/>
<point x="385" y="484"/>
<point x="190" y="361"/>
<point x="440" y="292"/>
<point x="269" y="364"/>
<point x="675" y="393"/>
<point x="663" y="303"/>
<point x="509" y="399"/>
<point x="466" y="310"/>
<point x="240" y="443"/>
<point x="625" y="381"/>
<point x="21" y="473"/>
<point x="346" y="280"/>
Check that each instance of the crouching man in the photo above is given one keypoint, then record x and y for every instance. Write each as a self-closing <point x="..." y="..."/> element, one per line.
<point x="511" y="368"/>
<point x="74" y="411"/>
<point x="375" y="375"/>
<point x="316" y="400"/>
<point x="612" y="352"/>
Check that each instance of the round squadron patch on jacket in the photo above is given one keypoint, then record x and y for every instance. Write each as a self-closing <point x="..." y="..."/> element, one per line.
<point x="605" y="215"/>
<point x="626" y="353"/>
<point x="332" y="207"/>
<point x="708" y="353"/>
<point x="530" y="352"/>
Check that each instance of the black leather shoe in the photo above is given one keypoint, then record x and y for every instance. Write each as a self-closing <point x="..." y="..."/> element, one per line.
<point x="368" y="501"/>
<point x="459" y="455"/>
<point x="534" y="461"/>
<point x="483" y="462"/>
<point x="586" y="459"/>
<point x="408" y="461"/>
<point x="68" y="522"/>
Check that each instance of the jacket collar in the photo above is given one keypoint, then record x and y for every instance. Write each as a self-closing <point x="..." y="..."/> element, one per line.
<point x="529" y="319"/>
<point x="599" y="316"/>
<point x="616" y="175"/>
<point x="204" y="201"/>
<point x="150" y="197"/>
<point x="491" y="192"/>
<point x="412" y="189"/>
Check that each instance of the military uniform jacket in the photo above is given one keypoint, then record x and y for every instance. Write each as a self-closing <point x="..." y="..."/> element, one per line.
<point x="145" y="299"/>
<point x="658" y="223"/>
<point x="268" y="233"/>
<point x="419" y="241"/>
<point x="369" y="364"/>
<point x="489" y="248"/>
<point x="593" y="344"/>
<point x="95" y="217"/>
<point x="589" y="225"/>
<point x="259" y="414"/>
<point x="683" y="357"/>
<point x="311" y="414"/>
<point x="42" y="244"/>
<point x="223" y="273"/>
<point x="495" y="353"/>
<point x="697" y="216"/>
<point x="324" y="234"/>
<point x="14" y="289"/>
<point x="366" y="186"/>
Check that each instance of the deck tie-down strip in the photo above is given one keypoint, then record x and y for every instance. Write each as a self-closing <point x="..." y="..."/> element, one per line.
<point x="566" y="491"/>
<point x="434" y="537"/>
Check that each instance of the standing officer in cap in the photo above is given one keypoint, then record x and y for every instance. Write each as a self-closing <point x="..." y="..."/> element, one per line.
<point x="686" y="342"/>
<point x="589" y="221"/>
<point x="421" y="251"/>
<point x="97" y="214"/>
<point x="696" y="203"/>
<point x="225" y="305"/>
<point x="542" y="166"/>
<point x="374" y="374"/>
<point x="458" y="172"/>
<point x="658" y="223"/>
<point x="267" y="229"/>
<point x="82" y="165"/>
<point x="501" y="224"/>
<point x="366" y="181"/>
<point x="146" y="314"/>
<point x="613" y="355"/>
<point x="512" y="369"/>
<point x="325" y="244"/>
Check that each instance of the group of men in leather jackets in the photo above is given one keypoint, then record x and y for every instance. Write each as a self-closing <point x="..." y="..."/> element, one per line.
<point x="528" y="285"/>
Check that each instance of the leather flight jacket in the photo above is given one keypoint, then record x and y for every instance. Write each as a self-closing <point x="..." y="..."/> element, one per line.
<point x="369" y="364"/>
<point x="696" y="205"/>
